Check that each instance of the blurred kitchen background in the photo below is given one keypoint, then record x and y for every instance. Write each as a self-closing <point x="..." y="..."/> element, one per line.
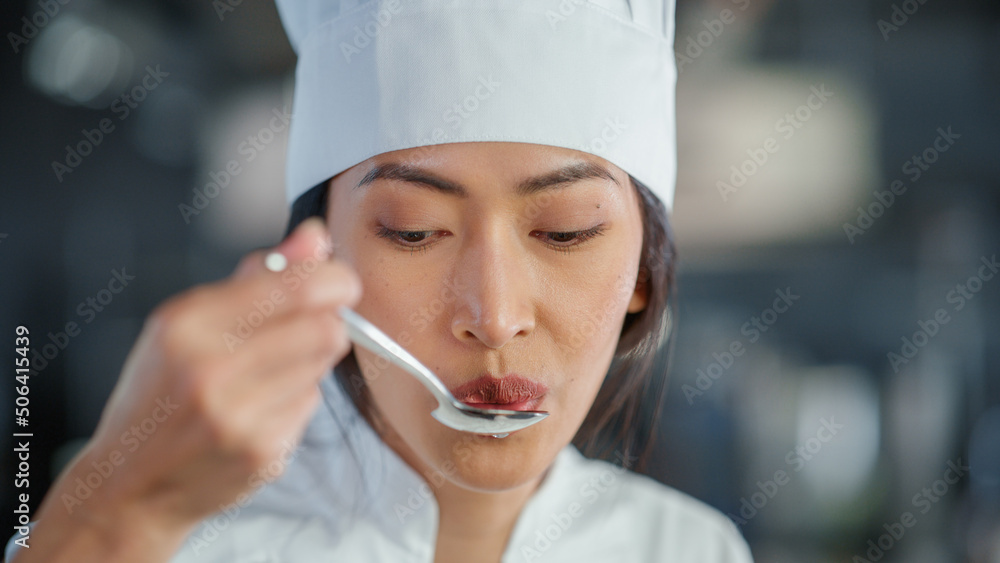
<point x="835" y="382"/>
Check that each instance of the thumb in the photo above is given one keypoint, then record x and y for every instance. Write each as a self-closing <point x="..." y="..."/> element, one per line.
<point x="309" y="240"/>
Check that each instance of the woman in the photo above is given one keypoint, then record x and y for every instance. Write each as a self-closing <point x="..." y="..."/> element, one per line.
<point x="518" y="254"/>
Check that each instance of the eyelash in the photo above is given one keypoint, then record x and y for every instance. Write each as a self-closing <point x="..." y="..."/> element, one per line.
<point x="579" y="237"/>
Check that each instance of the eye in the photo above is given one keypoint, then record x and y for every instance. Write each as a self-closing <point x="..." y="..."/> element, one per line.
<point x="406" y="239"/>
<point x="565" y="241"/>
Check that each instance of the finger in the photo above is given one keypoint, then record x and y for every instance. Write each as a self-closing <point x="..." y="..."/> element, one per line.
<point x="301" y="340"/>
<point x="293" y="416"/>
<point x="285" y="397"/>
<point x="251" y="263"/>
<point x="241" y="306"/>
<point x="309" y="240"/>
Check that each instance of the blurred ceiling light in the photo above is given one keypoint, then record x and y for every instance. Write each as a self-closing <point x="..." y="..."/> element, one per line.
<point x="76" y="62"/>
<point x="245" y="139"/>
<point x="799" y="164"/>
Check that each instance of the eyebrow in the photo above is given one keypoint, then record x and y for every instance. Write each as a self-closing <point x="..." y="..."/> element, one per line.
<point x="575" y="172"/>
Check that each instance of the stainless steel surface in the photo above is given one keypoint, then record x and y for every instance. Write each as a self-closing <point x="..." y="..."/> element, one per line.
<point x="450" y="412"/>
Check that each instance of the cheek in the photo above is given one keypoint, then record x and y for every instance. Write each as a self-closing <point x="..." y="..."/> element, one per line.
<point x="393" y="304"/>
<point x="585" y="324"/>
<point x="399" y="398"/>
<point x="587" y="320"/>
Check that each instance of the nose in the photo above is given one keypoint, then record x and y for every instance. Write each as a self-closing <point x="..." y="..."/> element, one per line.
<point x="494" y="284"/>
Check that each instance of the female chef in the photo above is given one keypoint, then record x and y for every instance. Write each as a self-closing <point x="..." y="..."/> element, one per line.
<point x="488" y="183"/>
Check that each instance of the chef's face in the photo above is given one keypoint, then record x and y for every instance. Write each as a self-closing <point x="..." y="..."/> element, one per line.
<point x="474" y="276"/>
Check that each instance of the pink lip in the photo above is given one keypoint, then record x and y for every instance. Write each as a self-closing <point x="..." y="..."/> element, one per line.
<point x="511" y="392"/>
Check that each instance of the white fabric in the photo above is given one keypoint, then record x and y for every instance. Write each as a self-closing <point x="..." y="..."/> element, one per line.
<point x="592" y="75"/>
<point x="306" y="515"/>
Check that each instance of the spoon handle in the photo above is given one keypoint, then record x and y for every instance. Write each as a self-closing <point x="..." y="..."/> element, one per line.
<point x="368" y="335"/>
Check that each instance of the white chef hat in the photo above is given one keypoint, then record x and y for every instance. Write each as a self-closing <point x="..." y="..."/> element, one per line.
<point x="375" y="76"/>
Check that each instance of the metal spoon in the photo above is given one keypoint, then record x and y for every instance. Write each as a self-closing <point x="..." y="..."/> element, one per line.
<point x="451" y="412"/>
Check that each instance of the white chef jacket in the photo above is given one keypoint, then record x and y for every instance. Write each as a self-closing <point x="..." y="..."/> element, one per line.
<point x="329" y="507"/>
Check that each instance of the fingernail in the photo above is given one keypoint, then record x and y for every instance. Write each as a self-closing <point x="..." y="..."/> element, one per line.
<point x="318" y="221"/>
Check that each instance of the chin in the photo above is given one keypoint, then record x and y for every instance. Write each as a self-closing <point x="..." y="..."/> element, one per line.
<point x="472" y="461"/>
<point x="487" y="464"/>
